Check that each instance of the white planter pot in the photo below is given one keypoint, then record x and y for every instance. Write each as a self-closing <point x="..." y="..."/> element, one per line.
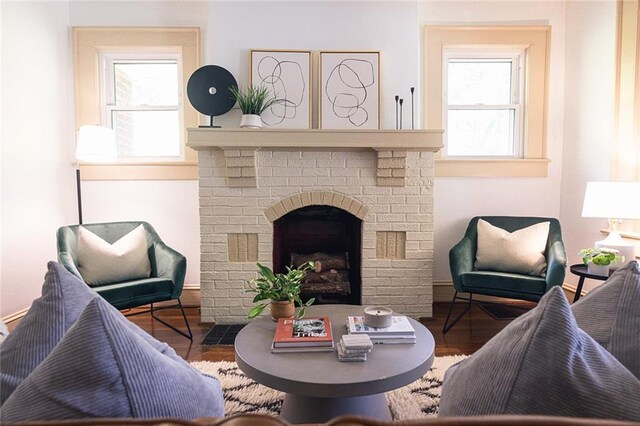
<point x="619" y="263"/>
<point x="251" y="121"/>
<point x="601" y="270"/>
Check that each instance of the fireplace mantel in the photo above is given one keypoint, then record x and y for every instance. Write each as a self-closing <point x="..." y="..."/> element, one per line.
<point x="411" y="140"/>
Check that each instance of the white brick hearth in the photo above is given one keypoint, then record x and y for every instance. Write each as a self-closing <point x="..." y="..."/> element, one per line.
<point x="393" y="198"/>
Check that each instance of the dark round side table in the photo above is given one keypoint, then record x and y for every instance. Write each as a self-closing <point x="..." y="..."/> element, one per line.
<point x="580" y="270"/>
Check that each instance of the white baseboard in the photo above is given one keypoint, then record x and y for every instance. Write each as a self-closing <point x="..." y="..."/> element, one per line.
<point x="570" y="291"/>
<point x="443" y="292"/>
<point x="15" y="316"/>
<point x="190" y="298"/>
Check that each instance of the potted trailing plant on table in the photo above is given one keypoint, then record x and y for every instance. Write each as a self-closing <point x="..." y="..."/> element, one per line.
<point x="281" y="291"/>
<point x="598" y="260"/>
<point x="252" y="101"/>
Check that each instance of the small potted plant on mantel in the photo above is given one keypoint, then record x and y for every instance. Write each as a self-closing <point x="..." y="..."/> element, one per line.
<point x="281" y="291"/>
<point x="252" y="101"/>
<point x="598" y="260"/>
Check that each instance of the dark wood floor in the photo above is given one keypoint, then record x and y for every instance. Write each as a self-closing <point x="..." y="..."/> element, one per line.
<point x="467" y="336"/>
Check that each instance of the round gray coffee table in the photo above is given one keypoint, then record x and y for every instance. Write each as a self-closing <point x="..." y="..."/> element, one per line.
<point x="318" y="387"/>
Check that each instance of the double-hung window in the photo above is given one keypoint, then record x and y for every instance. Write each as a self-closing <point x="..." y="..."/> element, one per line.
<point x="133" y="80"/>
<point x="486" y="87"/>
<point x="141" y="101"/>
<point x="483" y="105"/>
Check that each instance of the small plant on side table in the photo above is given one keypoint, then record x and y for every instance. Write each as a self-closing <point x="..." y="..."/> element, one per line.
<point x="278" y="290"/>
<point x="598" y="260"/>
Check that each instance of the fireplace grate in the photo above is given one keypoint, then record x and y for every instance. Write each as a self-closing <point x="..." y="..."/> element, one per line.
<point x="222" y="335"/>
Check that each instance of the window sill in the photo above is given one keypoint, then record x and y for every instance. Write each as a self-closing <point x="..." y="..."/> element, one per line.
<point x="527" y="167"/>
<point x="139" y="172"/>
<point x="623" y="234"/>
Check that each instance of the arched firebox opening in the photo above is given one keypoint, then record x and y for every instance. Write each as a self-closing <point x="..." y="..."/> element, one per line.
<point x="332" y="239"/>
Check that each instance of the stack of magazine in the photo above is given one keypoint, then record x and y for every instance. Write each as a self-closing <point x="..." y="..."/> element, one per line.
<point x="303" y="335"/>
<point x="399" y="332"/>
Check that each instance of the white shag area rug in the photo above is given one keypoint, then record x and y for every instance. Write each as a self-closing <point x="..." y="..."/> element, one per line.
<point x="242" y="395"/>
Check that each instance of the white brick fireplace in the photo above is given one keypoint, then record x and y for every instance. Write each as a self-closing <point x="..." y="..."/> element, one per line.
<point x="248" y="179"/>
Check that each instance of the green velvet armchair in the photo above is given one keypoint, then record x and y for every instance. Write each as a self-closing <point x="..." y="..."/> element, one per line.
<point x="168" y="269"/>
<point x="466" y="279"/>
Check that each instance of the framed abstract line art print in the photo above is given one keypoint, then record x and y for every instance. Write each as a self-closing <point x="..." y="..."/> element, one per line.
<point x="287" y="75"/>
<point x="349" y="90"/>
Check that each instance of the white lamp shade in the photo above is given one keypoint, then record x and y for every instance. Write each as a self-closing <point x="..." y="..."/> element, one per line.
<point x="612" y="200"/>
<point x="96" y="144"/>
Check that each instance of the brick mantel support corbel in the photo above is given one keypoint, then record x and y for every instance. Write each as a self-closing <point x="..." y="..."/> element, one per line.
<point x="391" y="168"/>
<point x="241" y="167"/>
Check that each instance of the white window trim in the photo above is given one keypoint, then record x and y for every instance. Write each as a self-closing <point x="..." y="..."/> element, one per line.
<point x="537" y="40"/>
<point x="107" y="96"/>
<point x="88" y="42"/>
<point x="489" y="54"/>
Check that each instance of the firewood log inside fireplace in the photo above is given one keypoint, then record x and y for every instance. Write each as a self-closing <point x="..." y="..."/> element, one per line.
<point x="339" y="288"/>
<point x="331" y="275"/>
<point x="322" y="261"/>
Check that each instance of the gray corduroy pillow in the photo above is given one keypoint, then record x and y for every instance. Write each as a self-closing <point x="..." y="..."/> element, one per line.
<point x="64" y="297"/>
<point x="542" y="363"/>
<point x="101" y="368"/>
<point x="610" y="314"/>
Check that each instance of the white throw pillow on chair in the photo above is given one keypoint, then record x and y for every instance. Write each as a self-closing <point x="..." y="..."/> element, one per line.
<point x="520" y="251"/>
<point x="102" y="263"/>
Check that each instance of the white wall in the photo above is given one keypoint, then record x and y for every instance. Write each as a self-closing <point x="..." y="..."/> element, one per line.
<point x="167" y="205"/>
<point x="459" y="199"/>
<point x="37" y="184"/>
<point x="321" y="25"/>
<point x="171" y="207"/>
<point x="1" y="157"/>
<point x="589" y="93"/>
<point x="38" y="192"/>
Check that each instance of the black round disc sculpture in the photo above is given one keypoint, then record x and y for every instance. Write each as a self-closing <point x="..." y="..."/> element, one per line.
<point x="208" y="91"/>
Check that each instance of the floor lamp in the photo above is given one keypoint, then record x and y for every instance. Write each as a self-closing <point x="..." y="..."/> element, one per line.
<point x="614" y="201"/>
<point x="95" y="144"/>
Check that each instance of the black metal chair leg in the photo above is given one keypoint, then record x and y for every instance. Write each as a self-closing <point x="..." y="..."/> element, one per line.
<point x="453" y="302"/>
<point x="184" y="316"/>
<point x="448" y="326"/>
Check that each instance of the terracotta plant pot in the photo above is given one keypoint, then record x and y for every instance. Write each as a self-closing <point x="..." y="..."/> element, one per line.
<point x="251" y="121"/>
<point x="285" y="309"/>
